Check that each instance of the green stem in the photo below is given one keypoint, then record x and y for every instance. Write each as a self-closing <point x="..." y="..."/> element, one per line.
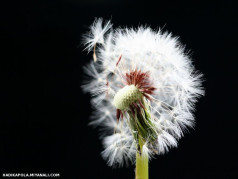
<point x="142" y="167"/>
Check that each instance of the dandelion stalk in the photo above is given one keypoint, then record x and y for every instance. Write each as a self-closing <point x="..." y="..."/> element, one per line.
<point x="142" y="164"/>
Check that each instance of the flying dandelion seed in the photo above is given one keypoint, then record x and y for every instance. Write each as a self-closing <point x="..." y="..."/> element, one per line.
<point x="144" y="87"/>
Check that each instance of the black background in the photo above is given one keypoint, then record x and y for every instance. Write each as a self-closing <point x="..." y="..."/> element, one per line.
<point x="45" y="115"/>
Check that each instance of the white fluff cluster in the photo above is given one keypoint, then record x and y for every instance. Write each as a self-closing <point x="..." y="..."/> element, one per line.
<point x="171" y="72"/>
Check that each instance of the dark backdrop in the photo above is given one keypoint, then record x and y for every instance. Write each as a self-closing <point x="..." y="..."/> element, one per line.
<point x="45" y="115"/>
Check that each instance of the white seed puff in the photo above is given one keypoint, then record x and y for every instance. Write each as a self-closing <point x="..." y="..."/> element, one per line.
<point x="142" y="74"/>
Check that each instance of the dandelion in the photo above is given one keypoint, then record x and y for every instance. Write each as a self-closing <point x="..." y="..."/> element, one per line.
<point x="144" y="87"/>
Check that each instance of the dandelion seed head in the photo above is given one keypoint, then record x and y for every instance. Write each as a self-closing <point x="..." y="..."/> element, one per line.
<point x="142" y="84"/>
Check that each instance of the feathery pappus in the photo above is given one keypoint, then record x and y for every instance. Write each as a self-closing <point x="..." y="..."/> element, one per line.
<point x="144" y="87"/>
